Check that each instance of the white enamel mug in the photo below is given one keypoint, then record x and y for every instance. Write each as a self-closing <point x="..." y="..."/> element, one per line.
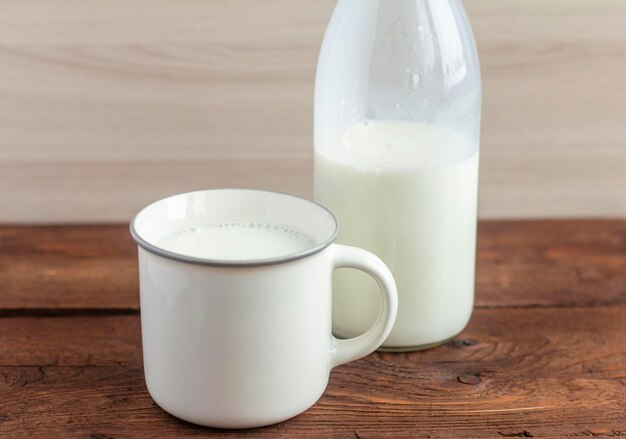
<point x="246" y="343"/>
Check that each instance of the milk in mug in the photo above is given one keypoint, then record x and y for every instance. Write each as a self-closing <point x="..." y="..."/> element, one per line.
<point x="406" y="191"/>
<point x="237" y="241"/>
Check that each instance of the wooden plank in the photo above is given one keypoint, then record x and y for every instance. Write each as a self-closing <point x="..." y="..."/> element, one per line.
<point x="513" y="372"/>
<point x="551" y="263"/>
<point x="88" y="267"/>
<point x="74" y="341"/>
<point x="519" y="263"/>
<point x="108" y="105"/>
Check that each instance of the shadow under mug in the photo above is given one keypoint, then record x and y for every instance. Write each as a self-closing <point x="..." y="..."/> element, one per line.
<point x="245" y="343"/>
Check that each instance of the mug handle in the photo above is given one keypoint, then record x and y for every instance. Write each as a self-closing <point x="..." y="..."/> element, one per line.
<point x="351" y="349"/>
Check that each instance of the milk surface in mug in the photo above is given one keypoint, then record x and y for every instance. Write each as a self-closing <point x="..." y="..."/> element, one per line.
<point x="407" y="192"/>
<point x="237" y="241"/>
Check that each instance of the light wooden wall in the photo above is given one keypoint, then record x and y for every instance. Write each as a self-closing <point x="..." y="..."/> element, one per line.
<point x="106" y="105"/>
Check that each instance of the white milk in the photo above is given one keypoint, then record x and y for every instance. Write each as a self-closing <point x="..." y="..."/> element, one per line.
<point x="407" y="192"/>
<point x="237" y="241"/>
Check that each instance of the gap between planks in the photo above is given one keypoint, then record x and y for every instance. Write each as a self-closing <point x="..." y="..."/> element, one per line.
<point x="105" y="312"/>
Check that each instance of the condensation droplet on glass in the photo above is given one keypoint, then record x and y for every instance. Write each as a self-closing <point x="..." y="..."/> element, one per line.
<point x="407" y="70"/>
<point x="398" y="106"/>
<point x="420" y="28"/>
<point x="415" y="79"/>
<point x="342" y="102"/>
<point x="426" y="101"/>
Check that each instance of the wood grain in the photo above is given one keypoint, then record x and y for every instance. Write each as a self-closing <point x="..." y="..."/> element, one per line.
<point x="88" y="267"/>
<point x="108" y="105"/>
<point x="519" y="263"/>
<point x="544" y="354"/>
<point x="529" y="372"/>
<point x="551" y="263"/>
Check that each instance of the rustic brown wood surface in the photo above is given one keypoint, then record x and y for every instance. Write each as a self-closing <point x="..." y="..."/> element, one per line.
<point x="543" y="356"/>
<point x="520" y="263"/>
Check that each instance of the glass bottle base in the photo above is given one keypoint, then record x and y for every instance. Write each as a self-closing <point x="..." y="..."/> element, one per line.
<point x="413" y="348"/>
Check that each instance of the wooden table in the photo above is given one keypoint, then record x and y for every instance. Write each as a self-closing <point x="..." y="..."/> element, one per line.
<point x="544" y="353"/>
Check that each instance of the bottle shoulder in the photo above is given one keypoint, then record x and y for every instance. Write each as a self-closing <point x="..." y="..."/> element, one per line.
<point x="400" y="60"/>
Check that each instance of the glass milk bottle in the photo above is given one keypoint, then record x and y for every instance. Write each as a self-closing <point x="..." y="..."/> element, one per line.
<point x="397" y="125"/>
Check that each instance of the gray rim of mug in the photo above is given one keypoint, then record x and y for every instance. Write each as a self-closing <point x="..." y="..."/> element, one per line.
<point x="225" y="263"/>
